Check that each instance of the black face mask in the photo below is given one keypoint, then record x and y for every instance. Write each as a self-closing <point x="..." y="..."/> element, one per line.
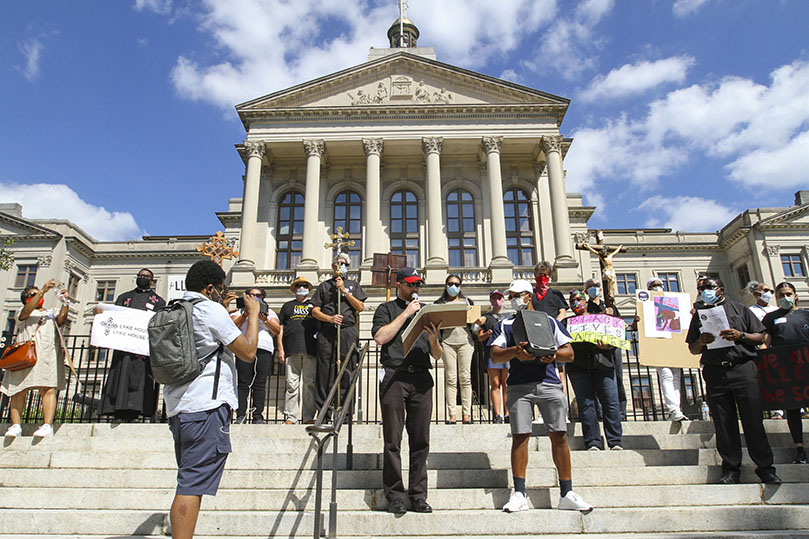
<point x="143" y="282"/>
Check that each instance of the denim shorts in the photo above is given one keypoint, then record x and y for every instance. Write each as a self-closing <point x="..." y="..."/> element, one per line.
<point x="201" y="446"/>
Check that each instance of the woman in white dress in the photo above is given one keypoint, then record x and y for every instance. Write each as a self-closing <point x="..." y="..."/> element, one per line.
<point x="48" y="375"/>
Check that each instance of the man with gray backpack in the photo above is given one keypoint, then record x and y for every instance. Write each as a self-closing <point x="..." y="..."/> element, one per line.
<point x="193" y="358"/>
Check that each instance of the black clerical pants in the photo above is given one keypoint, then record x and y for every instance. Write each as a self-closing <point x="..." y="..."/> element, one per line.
<point x="407" y="401"/>
<point x="326" y="371"/>
<point x="728" y="388"/>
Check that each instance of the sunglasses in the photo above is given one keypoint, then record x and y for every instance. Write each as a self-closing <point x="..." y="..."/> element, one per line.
<point x="767" y="290"/>
<point x="412" y="285"/>
<point x="711" y="287"/>
<point x="518" y="295"/>
<point x="31" y="295"/>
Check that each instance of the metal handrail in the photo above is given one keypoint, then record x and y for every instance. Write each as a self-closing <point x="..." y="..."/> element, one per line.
<point x="324" y="433"/>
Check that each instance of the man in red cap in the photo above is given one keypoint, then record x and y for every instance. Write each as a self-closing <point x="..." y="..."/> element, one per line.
<point x="405" y="389"/>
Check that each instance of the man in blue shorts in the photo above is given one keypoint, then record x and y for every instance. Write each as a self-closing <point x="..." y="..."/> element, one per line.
<point x="533" y="381"/>
<point x="200" y="423"/>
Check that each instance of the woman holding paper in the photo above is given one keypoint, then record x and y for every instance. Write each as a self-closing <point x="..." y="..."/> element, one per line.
<point x="48" y="374"/>
<point x="457" y="356"/>
<point x="669" y="376"/>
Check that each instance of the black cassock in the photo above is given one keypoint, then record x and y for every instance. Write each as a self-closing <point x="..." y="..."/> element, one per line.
<point x="130" y="390"/>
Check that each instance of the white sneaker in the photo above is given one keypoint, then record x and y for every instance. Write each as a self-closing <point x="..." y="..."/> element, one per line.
<point x="593" y="448"/>
<point x="573" y="502"/>
<point x="676" y="416"/>
<point x="44" y="431"/>
<point x="517" y="502"/>
<point x="616" y="448"/>
<point x="14" y="431"/>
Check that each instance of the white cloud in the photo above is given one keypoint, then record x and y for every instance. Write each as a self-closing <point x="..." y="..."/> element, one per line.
<point x="161" y="7"/>
<point x="31" y="50"/>
<point x="267" y="45"/>
<point x="786" y="166"/>
<point x="693" y="214"/>
<point x="636" y="78"/>
<point x="683" y="8"/>
<point x="58" y="201"/>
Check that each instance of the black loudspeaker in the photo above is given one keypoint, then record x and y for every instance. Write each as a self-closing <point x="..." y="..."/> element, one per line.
<point x="534" y="327"/>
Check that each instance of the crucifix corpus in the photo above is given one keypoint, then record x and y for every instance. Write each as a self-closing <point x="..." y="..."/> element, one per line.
<point x="605" y="253"/>
<point x="338" y="241"/>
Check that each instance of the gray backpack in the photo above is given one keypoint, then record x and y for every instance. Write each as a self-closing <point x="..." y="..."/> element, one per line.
<point x="172" y="347"/>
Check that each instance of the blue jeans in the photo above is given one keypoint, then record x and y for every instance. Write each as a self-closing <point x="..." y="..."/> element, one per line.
<point x="587" y="385"/>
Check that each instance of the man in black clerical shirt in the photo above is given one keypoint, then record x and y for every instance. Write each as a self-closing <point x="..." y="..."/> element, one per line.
<point x="351" y="298"/>
<point x="406" y="389"/>
<point x="731" y="380"/>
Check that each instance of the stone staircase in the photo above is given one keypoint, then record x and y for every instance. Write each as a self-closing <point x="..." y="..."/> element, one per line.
<point x="108" y="480"/>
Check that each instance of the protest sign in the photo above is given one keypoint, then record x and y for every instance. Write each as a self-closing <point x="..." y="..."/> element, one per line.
<point x="176" y="287"/>
<point x="663" y="320"/>
<point x="598" y="327"/>
<point x="121" y="328"/>
<point x="783" y="376"/>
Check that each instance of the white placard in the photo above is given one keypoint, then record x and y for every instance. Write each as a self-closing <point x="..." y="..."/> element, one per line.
<point x="121" y="328"/>
<point x="713" y="321"/>
<point x="176" y="287"/>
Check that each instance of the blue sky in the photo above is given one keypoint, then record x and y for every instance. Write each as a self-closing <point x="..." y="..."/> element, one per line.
<point x="119" y="115"/>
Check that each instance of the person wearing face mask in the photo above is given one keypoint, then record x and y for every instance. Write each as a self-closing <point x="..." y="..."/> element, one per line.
<point x="130" y="390"/>
<point x="545" y="298"/>
<point x="763" y="295"/>
<point x="731" y="383"/>
<point x="457" y="356"/>
<point x="48" y="374"/>
<point x="533" y="382"/>
<point x="498" y="372"/>
<point x="350" y="297"/>
<point x="669" y="376"/>
<point x="596" y="305"/>
<point x="593" y="378"/>
<point x="784" y="326"/>
<point x="297" y="349"/>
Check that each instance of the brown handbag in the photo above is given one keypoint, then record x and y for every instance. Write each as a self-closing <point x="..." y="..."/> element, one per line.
<point x="22" y="355"/>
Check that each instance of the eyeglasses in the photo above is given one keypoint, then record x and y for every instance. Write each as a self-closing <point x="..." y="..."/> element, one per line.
<point x="259" y="296"/>
<point x="517" y="295"/>
<point x="146" y="275"/>
<point x="707" y="287"/>
<point x="413" y="285"/>
<point x="768" y="290"/>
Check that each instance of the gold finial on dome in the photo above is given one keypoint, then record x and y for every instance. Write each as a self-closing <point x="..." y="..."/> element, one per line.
<point x="403" y="33"/>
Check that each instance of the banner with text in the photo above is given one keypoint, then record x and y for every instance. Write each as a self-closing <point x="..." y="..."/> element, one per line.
<point x="121" y="328"/>
<point x="598" y="327"/>
<point x="783" y="376"/>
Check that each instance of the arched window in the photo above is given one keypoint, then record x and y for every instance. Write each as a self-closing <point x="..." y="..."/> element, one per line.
<point x="519" y="227"/>
<point x="290" y="231"/>
<point x="461" y="234"/>
<point x="348" y="214"/>
<point x="404" y="226"/>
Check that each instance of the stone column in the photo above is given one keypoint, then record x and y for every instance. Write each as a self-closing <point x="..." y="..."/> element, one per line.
<point x="255" y="153"/>
<point x="373" y="224"/>
<point x="436" y="240"/>
<point x="491" y="146"/>
<point x="312" y="243"/>
<point x="552" y="146"/>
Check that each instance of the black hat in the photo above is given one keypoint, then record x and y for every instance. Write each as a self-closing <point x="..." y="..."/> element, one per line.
<point x="408" y="275"/>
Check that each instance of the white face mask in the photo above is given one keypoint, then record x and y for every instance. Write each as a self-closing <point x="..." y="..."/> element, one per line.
<point x="302" y="292"/>
<point x="766" y="297"/>
<point x="656" y="288"/>
<point x="518" y="304"/>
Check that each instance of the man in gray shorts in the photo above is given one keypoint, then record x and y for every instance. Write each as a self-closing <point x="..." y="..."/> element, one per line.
<point x="533" y="381"/>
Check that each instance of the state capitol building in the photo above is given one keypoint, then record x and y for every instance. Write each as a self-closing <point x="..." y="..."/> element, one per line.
<point x="459" y="171"/>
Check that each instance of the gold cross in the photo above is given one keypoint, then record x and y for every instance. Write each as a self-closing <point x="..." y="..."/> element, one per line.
<point x="218" y="250"/>
<point x="338" y="240"/>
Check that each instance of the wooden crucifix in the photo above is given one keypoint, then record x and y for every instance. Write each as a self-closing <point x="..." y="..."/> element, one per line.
<point x="605" y="254"/>
<point x="338" y="241"/>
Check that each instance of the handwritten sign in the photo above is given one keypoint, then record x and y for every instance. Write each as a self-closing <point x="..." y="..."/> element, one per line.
<point x="598" y="327"/>
<point x="783" y="376"/>
<point x="121" y="328"/>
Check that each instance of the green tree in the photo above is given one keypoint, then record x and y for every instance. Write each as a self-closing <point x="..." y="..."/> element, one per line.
<point x="6" y="255"/>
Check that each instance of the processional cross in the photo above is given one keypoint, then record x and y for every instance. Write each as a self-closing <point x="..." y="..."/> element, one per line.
<point x="605" y="253"/>
<point x="218" y="250"/>
<point x="338" y="241"/>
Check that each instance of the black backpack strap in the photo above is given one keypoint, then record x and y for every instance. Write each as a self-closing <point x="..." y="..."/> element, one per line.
<point x="218" y="370"/>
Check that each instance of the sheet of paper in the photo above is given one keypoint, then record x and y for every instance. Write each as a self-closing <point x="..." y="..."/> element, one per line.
<point x="121" y="328"/>
<point x="713" y="321"/>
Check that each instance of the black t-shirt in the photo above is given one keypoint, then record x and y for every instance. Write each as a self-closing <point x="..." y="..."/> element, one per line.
<point x="552" y="302"/>
<point x="787" y="327"/>
<point x="392" y="354"/>
<point x="740" y="318"/>
<point x="326" y="296"/>
<point x="299" y="327"/>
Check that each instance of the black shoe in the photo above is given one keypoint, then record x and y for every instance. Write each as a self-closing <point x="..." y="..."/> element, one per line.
<point x="241" y="420"/>
<point x="258" y="420"/>
<point x="421" y="506"/>
<point x="730" y="478"/>
<point x="800" y="457"/>
<point x="507" y="419"/>
<point x="498" y="420"/>
<point x="397" y="506"/>
<point x="771" y="479"/>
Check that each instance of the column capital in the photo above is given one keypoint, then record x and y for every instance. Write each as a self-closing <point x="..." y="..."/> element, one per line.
<point x="255" y="149"/>
<point x="432" y="144"/>
<point x="492" y="144"/>
<point x="551" y="144"/>
<point x="314" y="147"/>
<point x="373" y="146"/>
<point x="539" y="167"/>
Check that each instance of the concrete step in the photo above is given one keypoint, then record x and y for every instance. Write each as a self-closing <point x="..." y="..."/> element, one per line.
<point x="301" y="499"/>
<point x="780" y="534"/>
<point x="441" y="522"/>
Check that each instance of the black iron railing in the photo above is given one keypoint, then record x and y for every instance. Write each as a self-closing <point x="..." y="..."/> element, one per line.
<point x="80" y="401"/>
